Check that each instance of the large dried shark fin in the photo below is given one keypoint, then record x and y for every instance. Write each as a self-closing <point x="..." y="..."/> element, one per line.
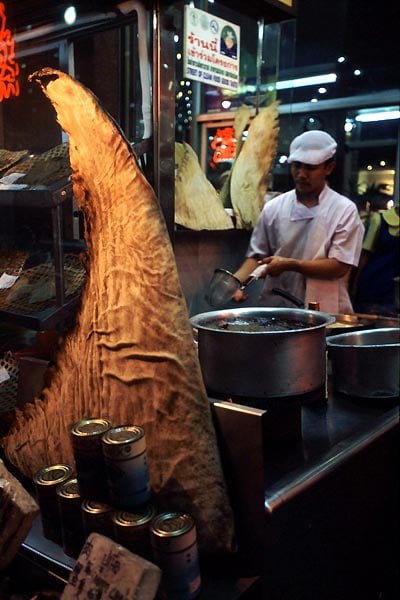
<point x="130" y="356"/>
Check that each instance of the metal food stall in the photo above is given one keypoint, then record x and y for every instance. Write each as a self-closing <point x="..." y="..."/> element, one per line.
<point x="315" y="491"/>
<point x="312" y="476"/>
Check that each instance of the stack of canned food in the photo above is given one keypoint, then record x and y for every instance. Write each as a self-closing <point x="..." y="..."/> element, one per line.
<point x="110" y="493"/>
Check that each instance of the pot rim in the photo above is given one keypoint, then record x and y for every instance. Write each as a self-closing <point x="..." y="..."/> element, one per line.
<point x="199" y="321"/>
<point x="341" y="340"/>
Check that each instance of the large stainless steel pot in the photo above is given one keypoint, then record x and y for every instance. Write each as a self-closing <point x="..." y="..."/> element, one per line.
<point x="266" y="363"/>
<point x="366" y="364"/>
<point x="346" y="323"/>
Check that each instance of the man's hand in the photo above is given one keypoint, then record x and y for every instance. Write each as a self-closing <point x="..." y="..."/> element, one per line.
<point x="240" y="296"/>
<point x="320" y="268"/>
<point x="278" y="264"/>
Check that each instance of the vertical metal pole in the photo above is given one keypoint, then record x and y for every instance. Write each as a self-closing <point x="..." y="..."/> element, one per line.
<point x="198" y="100"/>
<point x="260" y="42"/>
<point x="164" y="110"/>
<point x="56" y="217"/>
<point x="198" y="109"/>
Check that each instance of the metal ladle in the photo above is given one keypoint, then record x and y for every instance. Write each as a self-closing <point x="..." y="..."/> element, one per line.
<point x="224" y="285"/>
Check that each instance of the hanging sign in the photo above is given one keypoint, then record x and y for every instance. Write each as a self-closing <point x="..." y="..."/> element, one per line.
<point x="224" y="146"/>
<point x="9" y="68"/>
<point x="211" y="49"/>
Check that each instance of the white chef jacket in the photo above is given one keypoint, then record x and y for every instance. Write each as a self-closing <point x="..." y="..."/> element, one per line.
<point x="331" y="229"/>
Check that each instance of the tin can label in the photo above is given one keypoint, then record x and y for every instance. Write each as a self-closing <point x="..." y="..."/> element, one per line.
<point x="46" y="482"/>
<point x="132" y="530"/>
<point x="181" y="573"/>
<point x="69" y="502"/>
<point x="86" y="438"/>
<point x="96" y="517"/>
<point x="173" y="537"/>
<point x="128" y="481"/>
<point x="127" y="470"/>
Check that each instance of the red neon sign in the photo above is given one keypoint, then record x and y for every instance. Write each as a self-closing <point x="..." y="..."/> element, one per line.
<point x="9" y="69"/>
<point x="224" y="145"/>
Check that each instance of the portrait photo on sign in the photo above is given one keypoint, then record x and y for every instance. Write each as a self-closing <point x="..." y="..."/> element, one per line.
<point x="228" y="45"/>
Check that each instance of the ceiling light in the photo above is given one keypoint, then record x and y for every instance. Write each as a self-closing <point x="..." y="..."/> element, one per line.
<point x="381" y="114"/>
<point x="348" y="126"/>
<point x="305" y="81"/>
<point x="70" y="15"/>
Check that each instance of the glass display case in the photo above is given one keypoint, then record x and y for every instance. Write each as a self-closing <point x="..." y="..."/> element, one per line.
<point x="41" y="272"/>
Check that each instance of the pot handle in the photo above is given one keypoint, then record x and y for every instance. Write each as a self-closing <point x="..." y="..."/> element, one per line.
<point x="296" y="301"/>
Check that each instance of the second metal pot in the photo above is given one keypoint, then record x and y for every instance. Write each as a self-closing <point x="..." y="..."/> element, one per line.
<point x="265" y="363"/>
<point x="366" y="364"/>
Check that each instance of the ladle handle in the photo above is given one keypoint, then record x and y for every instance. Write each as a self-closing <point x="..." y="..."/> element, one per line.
<point x="296" y="301"/>
<point x="254" y="276"/>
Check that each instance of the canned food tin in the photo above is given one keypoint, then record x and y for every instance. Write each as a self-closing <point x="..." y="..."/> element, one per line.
<point x="125" y="456"/>
<point x="46" y="481"/>
<point x="96" y="517"/>
<point x="314" y="306"/>
<point x="132" y="530"/>
<point x="88" y="454"/>
<point x="69" y="503"/>
<point x="174" y="541"/>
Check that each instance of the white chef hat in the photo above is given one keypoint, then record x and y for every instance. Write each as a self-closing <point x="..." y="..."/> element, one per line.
<point x="312" y="148"/>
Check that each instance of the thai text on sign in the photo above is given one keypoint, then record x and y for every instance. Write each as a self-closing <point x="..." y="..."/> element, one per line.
<point x="9" y="69"/>
<point x="211" y="49"/>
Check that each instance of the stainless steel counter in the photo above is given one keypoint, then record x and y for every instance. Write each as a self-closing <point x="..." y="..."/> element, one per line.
<point x="290" y="494"/>
<point x="313" y="509"/>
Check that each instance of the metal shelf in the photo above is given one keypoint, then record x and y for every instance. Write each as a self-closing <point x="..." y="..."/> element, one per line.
<point x="46" y="319"/>
<point x="51" y="198"/>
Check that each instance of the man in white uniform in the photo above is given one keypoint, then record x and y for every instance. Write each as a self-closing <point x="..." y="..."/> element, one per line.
<point x="309" y="238"/>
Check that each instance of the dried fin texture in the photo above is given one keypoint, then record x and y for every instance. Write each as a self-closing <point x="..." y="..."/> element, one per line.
<point x="197" y="204"/>
<point x="241" y="123"/>
<point x="130" y="356"/>
<point x="242" y="118"/>
<point x="251" y="168"/>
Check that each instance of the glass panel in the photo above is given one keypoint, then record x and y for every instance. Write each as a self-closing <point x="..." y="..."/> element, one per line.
<point x="131" y="92"/>
<point x="221" y="144"/>
<point x="262" y="50"/>
<point x="107" y="62"/>
<point x="97" y="67"/>
<point x="371" y="157"/>
<point x="26" y="121"/>
<point x="213" y="98"/>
